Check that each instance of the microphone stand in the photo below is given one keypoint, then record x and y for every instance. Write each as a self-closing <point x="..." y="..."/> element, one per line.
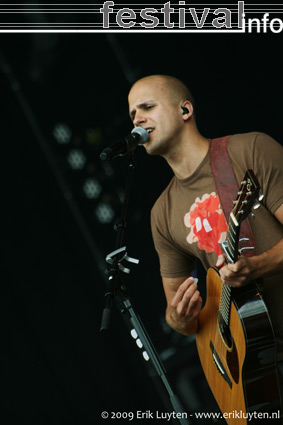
<point x="117" y="291"/>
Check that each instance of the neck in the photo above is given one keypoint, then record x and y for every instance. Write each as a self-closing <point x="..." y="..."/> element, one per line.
<point x="186" y="156"/>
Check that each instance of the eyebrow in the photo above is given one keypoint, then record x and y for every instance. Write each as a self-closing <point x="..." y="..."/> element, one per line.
<point x="140" y="105"/>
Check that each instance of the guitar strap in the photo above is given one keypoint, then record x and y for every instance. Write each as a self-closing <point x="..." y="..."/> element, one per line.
<point x="227" y="187"/>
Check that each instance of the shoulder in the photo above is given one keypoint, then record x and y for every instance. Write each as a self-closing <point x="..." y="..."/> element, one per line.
<point x="264" y="155"/>
<point x="254" y="147"/>
<point x="254" y="140"/>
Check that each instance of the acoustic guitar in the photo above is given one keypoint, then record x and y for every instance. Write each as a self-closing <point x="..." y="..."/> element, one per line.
<point x="235" y="339"/>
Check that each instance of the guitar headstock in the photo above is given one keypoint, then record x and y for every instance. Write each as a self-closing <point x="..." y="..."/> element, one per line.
<point x="247" y="196"/>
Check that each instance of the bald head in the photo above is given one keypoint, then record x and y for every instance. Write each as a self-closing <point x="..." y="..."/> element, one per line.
<point x="174" y="88"/>
<point x="162" y="105"/>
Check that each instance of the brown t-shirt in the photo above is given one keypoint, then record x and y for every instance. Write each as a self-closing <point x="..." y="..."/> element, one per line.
<point x="188" y="222"/>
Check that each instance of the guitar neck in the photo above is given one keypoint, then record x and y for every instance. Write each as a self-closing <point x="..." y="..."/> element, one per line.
<point x="230" y="247"/>
<point x="233" y="239"/>
<point x="247" y="194"/>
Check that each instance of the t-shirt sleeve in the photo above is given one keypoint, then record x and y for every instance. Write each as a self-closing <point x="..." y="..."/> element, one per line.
<point x="174" y="262"/>
<point x="268" y="166"/>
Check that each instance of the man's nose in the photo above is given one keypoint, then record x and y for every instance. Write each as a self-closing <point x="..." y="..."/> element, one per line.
<point x="139" y="118"/>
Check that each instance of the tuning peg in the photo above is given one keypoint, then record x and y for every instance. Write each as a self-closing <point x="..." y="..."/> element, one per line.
<point x="256" y="205"/>
<point x="245" y="248"/>
<point x="261" y="196"/>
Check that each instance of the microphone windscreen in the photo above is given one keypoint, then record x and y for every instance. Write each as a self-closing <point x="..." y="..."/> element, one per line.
<point x="142" y="133"/>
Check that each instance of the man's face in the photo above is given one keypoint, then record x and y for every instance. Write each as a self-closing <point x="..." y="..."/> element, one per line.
<point x="150" y="107"/>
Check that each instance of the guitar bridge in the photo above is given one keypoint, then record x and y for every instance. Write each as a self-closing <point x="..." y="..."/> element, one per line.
<point x="219" y="365"/>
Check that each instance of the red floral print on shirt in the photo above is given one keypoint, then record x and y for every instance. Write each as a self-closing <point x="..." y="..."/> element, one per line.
<point x="207" y="223"/>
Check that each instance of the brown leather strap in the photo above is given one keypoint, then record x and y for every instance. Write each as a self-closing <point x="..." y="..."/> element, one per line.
<point x="227" y="187"/>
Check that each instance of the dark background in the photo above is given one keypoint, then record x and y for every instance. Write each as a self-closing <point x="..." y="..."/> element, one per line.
<point x="57" y="366"/>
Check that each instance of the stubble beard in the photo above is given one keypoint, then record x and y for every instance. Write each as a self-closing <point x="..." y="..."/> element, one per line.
<point x="156" y="147"/>
<point x="159" y="145"/>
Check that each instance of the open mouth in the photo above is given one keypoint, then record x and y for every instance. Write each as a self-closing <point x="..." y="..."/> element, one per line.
<point x="149" y="130"/>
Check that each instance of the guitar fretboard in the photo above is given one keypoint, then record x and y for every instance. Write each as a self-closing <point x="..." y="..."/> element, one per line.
<point x="232" y="251"/>
<point x="225" y="303"/>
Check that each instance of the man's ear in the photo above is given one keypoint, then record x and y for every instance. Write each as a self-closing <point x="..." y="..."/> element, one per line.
<point x="187" y="109"/>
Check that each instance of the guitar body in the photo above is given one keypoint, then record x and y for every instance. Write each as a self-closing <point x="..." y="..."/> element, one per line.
<point x="241" y="369"/>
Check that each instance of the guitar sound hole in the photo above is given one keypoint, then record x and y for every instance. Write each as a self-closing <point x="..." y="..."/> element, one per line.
<point x="231" y="354"/>
<point x="225" y="332"/>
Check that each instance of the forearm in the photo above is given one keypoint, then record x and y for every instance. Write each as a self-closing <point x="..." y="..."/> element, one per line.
<point x="182" y="325"/>
<point x="246" y="269"/>
<point x="270" y="262"/>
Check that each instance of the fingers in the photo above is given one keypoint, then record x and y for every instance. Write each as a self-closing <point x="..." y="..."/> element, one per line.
<point x="187" y="301"/>
<point x="238" y="273"/>
<point x="194" y="306"/>
<point x="181" y="291"/>
<point x="220" y="261"/>
<point x="233" y="280"/>
<point x="238" y="266"/>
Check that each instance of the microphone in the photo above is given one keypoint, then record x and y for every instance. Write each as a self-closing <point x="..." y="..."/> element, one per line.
<point x="138" y="136"/>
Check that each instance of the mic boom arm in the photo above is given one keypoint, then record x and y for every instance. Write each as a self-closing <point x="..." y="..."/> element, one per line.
<point x="138" y="136"/>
